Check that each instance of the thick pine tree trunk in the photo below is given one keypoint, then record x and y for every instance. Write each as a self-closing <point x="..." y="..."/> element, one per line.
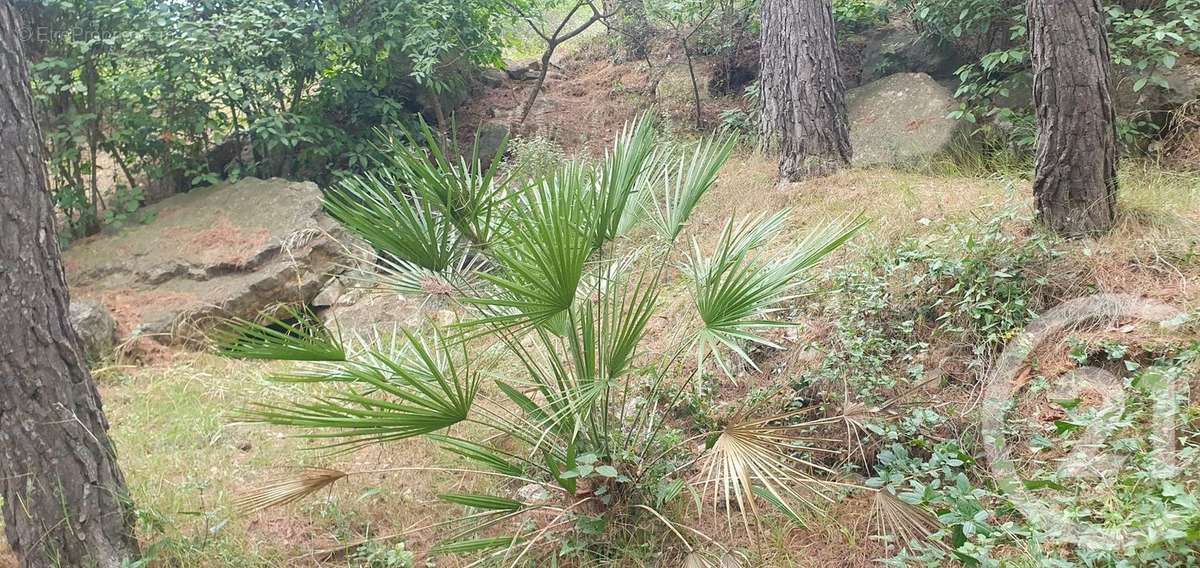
<point x="1075" y="186"/>
<point x="65" y="502"/>
<point x="803" y="97"/>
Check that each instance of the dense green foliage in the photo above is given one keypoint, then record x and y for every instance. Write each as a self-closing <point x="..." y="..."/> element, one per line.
<point x="173" y="91"/>
<point x="1145" y="42"/>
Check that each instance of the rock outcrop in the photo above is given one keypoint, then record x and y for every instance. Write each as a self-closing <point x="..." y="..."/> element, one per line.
<point x="901" y="118"/>
<point x="241" y="249"/>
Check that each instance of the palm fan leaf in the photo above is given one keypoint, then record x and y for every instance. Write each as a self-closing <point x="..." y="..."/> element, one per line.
<point x="408" y="228"/>
<point x="427" y="393"/>
<point x="752" y="456"/>
<point x="619" y="176"/>
<point x="685" y="184"/>
<point x="736" y="288"/>
<point x="543" y="257"/>
<point x="470" y="196"/>
<point x="300" y="336"/>
<point x="286" y="490"/>
<point x="900" y="524"/>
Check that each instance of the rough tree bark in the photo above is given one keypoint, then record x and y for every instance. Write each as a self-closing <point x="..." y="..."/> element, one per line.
<point x="1075" y="186"/>
<point x="803" y="97"/>
<point x="65" y="502"/>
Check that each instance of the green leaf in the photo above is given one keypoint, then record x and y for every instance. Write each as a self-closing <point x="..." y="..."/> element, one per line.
<point x="479" y="501"/>
<point x="407" y="399"/>
<point x="738" y="286"/>
<point x="488" y="457"/>
<point x="477" y="545"/>
<point x="688" y="182"/>
<point x="299" y="337"/>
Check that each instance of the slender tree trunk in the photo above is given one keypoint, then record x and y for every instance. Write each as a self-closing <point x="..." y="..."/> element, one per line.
<point x="65" y="502"/>
<point x="687" y="52"/>
<point x="1075" y="186"/>
<point x="803" y="97"/>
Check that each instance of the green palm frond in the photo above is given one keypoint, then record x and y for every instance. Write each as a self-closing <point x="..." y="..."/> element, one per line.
<point x="685" y="184"/>
<point x="470" y="196"/>
<point x="481" y="501"/>
<point x="736" y="288"/>
<point x="409" y="228"/>
<point x="300" y="336"/>
<point x="478" y="545"/>
<point x="402" y="399"/>
<point x="543" y="256"/>
<point x="623" y="312"/>
<point x="404" y="277"/>
<point x="619" y="178"/>
<point x="495" y="460"/>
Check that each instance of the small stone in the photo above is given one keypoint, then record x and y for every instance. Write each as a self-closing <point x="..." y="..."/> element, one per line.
<point x="492" y="77"/>
<point x="533" y="494"/>
<point x="329" y="295"/>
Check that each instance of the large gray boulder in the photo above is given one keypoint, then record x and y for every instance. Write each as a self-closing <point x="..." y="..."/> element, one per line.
<point x="243" y="249"/>
<point x="901" y="118"/>
<point x="95" y="326"/>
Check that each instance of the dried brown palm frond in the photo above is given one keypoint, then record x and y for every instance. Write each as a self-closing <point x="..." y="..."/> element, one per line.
<point x="285" y="490"/>
<point x="756" y="457"/>
<point x="857" y="416"/>
<point x="708" y="560"/>
<point x="899" y="524"/>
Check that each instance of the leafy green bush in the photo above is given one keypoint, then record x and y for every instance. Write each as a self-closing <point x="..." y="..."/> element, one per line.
<point x="165" y="88"/>
<point x="858" y="15"/>
<point x="1143" y="42"/>
<point x="960" y="293"/>
<point x="971" y="284"/>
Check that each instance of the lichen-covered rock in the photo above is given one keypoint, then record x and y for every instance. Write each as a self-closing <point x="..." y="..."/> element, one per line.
<point x="96" y="328"/>
<point x="901" y="118"/>
<point x="241" y="249"/>
<point x="492" y="134"/>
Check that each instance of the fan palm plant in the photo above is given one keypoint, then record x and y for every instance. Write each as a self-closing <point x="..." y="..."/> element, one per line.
<point x="584" y="415"/>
